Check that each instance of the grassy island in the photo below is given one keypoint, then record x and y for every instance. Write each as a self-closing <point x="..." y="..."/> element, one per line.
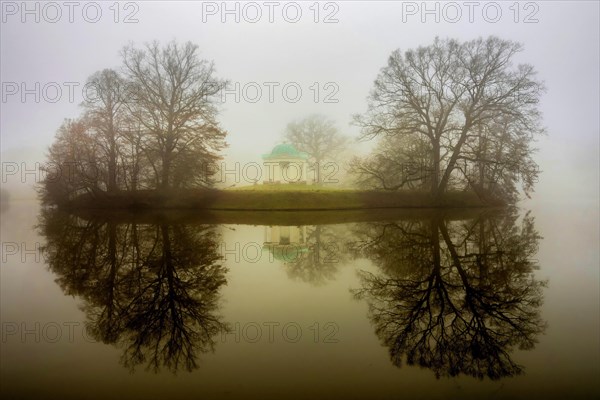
<point x="276" y="198"/>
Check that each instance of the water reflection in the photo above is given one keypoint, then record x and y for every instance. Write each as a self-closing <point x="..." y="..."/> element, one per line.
<point x="309" y="253"/>
<point x="456" y="297"/>
<point x="151" y="289"/>
<point x="454" y="294"/>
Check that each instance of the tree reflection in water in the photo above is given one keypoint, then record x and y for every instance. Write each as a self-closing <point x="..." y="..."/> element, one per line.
<point x="313" y="256"/>
<point x="151" y="289"/>
<point x="456" y="297"/>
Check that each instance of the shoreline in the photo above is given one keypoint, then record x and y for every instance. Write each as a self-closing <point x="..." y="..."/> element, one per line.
<point x="275" y="200"/>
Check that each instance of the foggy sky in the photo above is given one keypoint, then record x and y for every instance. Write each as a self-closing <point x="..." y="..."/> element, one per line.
<point x="563" y="46"/>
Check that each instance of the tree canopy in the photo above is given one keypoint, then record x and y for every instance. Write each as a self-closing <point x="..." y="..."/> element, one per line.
<point x="150" y="125"/>
<point x="476" y="112"/>
<point x="319" y="137"/>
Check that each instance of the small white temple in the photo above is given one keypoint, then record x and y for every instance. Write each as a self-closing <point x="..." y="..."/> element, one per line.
<point x="285" y="164"/>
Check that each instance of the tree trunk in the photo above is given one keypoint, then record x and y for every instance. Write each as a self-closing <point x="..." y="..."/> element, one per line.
<point x="166" y="166"/>
<point x="317" y="168"/>
<point x="455" y="153"/>
<point x="107" y="333"/>
<point x="435" y="242"/>
<point x="435" y="169"/>
<point x="482" y="156"/>
<point x="112" y="164"/>
<point x="112" y="150"/>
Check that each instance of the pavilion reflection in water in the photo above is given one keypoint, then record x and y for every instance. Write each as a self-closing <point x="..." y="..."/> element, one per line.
<point x="286" y="243"/>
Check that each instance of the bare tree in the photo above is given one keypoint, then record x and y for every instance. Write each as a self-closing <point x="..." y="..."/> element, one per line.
<point x="152" y="290"/>
<point x="105" y="111"/>
<point x="317" y="136"/>
<point x="497" y="157"/>
<point x="72" y="168"/>
<point x="446" y="93"/>
<point x="136" y="168"/>
<point x="397" y="162"/>
<point x="174" y="100"/>
<point x="457" y="297"/>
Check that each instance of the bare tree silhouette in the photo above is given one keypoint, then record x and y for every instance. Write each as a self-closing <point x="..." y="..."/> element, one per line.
<point x="454" y="297"/>
<point x="152" y="290"/>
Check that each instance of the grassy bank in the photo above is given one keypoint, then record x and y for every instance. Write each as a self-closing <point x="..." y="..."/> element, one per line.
<point x="275" y="198"/>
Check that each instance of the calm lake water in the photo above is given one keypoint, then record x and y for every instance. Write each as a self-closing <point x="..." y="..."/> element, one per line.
<point x="494" y="304"/>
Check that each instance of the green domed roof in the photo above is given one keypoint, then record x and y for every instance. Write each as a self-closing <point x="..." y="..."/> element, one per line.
<point x="285" y="150"/>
